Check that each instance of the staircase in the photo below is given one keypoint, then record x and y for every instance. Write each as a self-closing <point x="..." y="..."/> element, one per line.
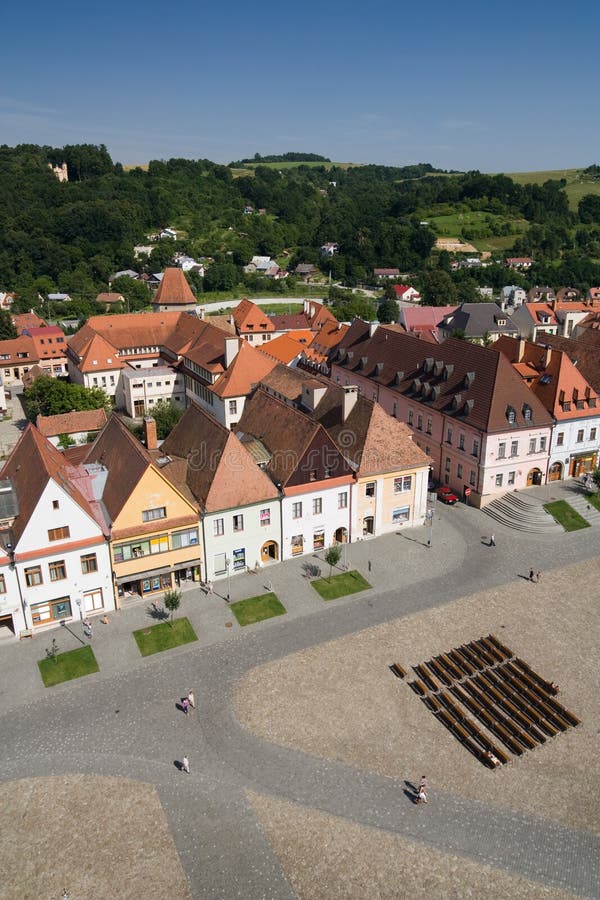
<point x="526" y="513"/>
<point x="582" y="505"/>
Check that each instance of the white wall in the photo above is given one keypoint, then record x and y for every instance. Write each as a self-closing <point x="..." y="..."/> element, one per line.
<point x="250" y="539"/>
<point x="331" y="518"/>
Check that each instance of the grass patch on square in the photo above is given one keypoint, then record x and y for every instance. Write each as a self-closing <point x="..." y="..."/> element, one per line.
<point x="255" y="609"/>
<point x="594" y="500"/>
<point x="157" y="638"/>
<point x="565" y="515"/>
<point x="340" y="585"/>
<point x="69" y="665"/>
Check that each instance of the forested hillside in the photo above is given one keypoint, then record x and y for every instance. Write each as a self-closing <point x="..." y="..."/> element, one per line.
<point x="70" y="237"/>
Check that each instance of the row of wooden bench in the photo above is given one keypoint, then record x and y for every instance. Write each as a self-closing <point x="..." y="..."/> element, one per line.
<point x="465" y="729"/>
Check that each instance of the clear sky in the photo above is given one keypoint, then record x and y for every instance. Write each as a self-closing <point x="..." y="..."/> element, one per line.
<point x="491" y="86"/>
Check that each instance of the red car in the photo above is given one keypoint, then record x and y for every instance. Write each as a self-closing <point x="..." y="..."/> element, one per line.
<point x="447" y="496"/>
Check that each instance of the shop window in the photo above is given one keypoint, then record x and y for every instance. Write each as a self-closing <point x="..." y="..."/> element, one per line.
<point x="297" y="544"/>
<point x="51" y="611"/>
<point x="319" y="539"/>
<point x="400" y="514"/>
<point x="239" y="559"/>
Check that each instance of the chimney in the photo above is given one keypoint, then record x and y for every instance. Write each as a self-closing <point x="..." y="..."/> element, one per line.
<point x="547" y="357"/>
<point x="232" y="345"/>
<point x="373" y="326"/>
<point x="521" y="350"/>
<point x="312" y="394"/>
<point x="350" y="398"/>
<point x="150" y="433"/>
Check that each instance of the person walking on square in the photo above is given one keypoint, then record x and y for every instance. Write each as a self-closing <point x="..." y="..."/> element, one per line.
<point x="492" y="540"/>
<point x="192" y="699"/>
<point x="422" y="791"/>
<point x="185" y="705"/>
<point x="538" y="575"/>
<point x="185" y="765"/>
<point x="531" y="574"/>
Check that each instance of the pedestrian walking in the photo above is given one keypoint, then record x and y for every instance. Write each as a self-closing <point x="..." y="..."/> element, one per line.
<point x="209" y="585"/>
<point x="87" y="628"/>
<point x="185" y="765"/>
<point x="422" y="791"/>
<point x="538" y="575"/>
<point x="492" y="540"/>
<point x="192" y="699"/>
<point x="531" y="574"/>
<point x="369" y="565"/>
<point x="185" y="705"/>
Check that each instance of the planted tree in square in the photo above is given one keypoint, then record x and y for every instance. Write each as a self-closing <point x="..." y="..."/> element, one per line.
<point x="332" y="557"/>
<point x="172" y="601"/>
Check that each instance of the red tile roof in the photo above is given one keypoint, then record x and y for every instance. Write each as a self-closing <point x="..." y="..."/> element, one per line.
<point x="244" y="373"/>
<point x="249" y="317"/>
<point x="71" y="422"/>
<point x="174" y="290"/>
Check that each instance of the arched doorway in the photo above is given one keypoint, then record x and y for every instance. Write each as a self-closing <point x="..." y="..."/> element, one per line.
<point x="534" y="476"/>
<point x="269" y="552"/>
<point x="556" y="472"/>
<point x="341" y="535"/>
<point x="368" y="525"/>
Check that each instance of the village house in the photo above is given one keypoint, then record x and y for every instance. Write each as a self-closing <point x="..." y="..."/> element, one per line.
<point x="139" y="390"/>
<point x="55" y="563"/>
<point x="50" y="348"/>
<point x="568" y="397"/>
<point x="110" y="299"/>
<point x="469" y="410"/>
<point x="302" y="460"/>
<point x="239" y="505"/>
<point x="406" y="294"/>
<point x="17" y="356"/>
<point x="480" y="322"/>
<point x="384" y="274"/>
<point x="423" y="321"/>
<point x="555" y="317"/>
<point x="251" y="323"/>
<point x="519" y="262"/>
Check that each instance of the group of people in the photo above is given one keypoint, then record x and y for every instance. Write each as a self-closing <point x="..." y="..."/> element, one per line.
<point x="422" y="791"/>
<point x="534" y="576"/>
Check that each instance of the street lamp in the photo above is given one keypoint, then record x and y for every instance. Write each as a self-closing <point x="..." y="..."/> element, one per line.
<point x="430" y="521"/>
<point x="78" y="601"/>
<point x="228" y="568"/>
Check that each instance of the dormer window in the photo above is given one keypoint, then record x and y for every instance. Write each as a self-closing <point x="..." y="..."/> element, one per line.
<point x="527" y="412"/>
<point x="448" y="370"/>
<point x="511" y="415"/>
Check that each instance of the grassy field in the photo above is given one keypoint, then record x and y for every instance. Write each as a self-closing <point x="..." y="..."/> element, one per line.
<point x="66" y="666"/>
<point x="157" y="638"/>
<point x="255" y="609"/>
<point x="576" y="188"/>
<point x="451" y="226"/>
<point x="565" y="515"/>
<point x="340" y="585"/>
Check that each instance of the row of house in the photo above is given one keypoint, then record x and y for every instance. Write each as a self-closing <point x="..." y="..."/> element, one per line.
<point x="306" y="466"/>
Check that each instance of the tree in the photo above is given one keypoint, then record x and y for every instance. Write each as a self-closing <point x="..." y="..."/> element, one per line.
<point x="387" y="311"/>
<point x="172" y="600"/>
<point x="332" y="557"/>
<point x="166" y="414"/>
<point x="438" y="288"/>
<point x="7" y="329"/>
<point x="49" y="396"/>
<point x="589" y="209"/>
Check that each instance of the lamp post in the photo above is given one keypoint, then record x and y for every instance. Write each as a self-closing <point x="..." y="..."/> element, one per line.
<point x="228" y="567"/>
<point x="78" y="601"/>
<point x="430" y="522"/>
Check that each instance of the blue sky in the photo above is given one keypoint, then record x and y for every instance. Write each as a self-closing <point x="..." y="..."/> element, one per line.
<point x="495" y="87"/>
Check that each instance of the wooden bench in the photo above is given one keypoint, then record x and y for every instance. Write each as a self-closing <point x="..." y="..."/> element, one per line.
<point x="530" y="700"/>
<point x="471" y="657"/>
<point x="426" y="678"/>
<point x="500" y="719"/>
<point x="488" y="720"/>
<point x="502" y="647"/>
<point x="438" y="670"/>
<point x="514" y="706"/>
<point x="461" y="662"/>
<point x="450" y="666"/>
<point x="486" y="658"/>
<point x="398" y="671"/>
<point x="486" y="645"/>
<point x="418" y="687"/>
<point x="26" y="633"/>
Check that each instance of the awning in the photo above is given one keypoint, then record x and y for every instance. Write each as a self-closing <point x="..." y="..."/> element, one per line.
<point x="187" y="564"/>
<point x="138" y="576"/>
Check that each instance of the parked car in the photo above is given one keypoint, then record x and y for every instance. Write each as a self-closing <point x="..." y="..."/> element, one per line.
<point x="446" y="495"/>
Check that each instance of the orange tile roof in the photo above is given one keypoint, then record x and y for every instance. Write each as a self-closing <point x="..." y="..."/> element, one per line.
<point x="11" y="349"/>
<point x="72" y="422"/>
<point x="212" y="453"/>
<point x="284" y="348"/>
<point x="99" y="356"/>
<point x="247" y="369"/>
<point x="249" y="317"/>
<point x="174" y="290"/>
<point x="22" y="321"/>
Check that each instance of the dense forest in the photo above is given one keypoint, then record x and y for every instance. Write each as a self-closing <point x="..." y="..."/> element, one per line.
<point x="70" y="237"/>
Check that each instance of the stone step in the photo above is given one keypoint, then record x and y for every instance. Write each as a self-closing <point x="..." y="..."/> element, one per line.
<point x="523" y="513"/>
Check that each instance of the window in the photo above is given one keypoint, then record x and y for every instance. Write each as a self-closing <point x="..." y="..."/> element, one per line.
<point x="33" y="576"/>
<point x="319" y="539"/>
<point x="55" y="504"/>
<point x="239" y="559"/>
<point x="459" y="471"/>
<point x="461" y="441"/>
<point x="58" y="570"/>
<point x="449" y="436"/>
<point x="499" y="479"/>
<point x="238" y="522"/>
<point x="428" y="429"/>
<point x="89" y="563"/>
<point x="532" y="445"/>
<point x="527" y="413"/>
<point x="265" y="516"/>
<point x="511" y="415"/>
<point x="511" y="477"/>
<point x="218" y="527"/>
<point x="184" y="538"/>
<point x="447" y="464"/>
<point x="317" y="506"/>
<point x="542" y="444"/>
<point x="400" y="514"/>
<point x="57" y="534"/>
<point x="42" y="613"/>
<point x="297" y="544"/>
<point x="2" y="584"/>
<point x="420" y="422"/>
<point x="233" y="407"/>
<point x="592" y="434"/>
<point x="370" y="489"/>
<point x="560" y="438"/>
<point x="501" y="449"/>
<point x="403" y="483"/>
<point x="297" y="510"/>
<point x="472" y="477"/>
<point x="343" y="500"/>
<point x="475" y="450"/>
<point x="150" y="515"/>
<point x="580" y="436"/>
